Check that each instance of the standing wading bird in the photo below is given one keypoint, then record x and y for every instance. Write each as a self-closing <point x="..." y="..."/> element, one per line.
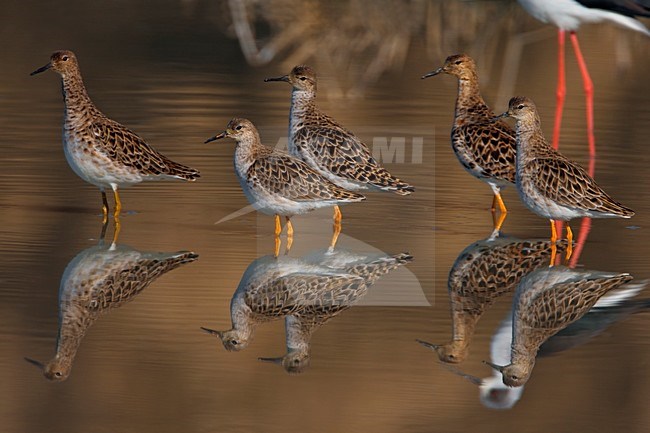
<point x="100" y="150"/>
<point x="276" y="183"/>
<point x="328" y="147"/>
<point x="485" y="148"/>
<point x="550" y="184"/>
<point x="568" y="15"/>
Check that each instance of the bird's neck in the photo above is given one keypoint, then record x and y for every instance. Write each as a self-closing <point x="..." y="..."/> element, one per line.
<point x="78" y="106"/>
<point x="525" y="343"/>
<point x="298" y="334"/>
<point x="242" y="317"/>
<point x="463" y="325"/>
<point x="248" y="149"/>
<point x="74" y="321"/>
<point x="521" y="356"/>
<point x="529" y="137"/>
<point x="303" y="102"/>
<point x="469" y="94"/>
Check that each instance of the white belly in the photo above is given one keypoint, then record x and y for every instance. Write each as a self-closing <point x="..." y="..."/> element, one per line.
<point x="95" y="167"/>
<point x="537" y="201"/>
<point x="272" y="204"/>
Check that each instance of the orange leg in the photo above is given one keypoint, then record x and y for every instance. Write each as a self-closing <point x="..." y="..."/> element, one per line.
<point x="561" y="89"/>
<point x="559" y="227"/>
<point x="336" y="231"/>
<point x="503" y="211"/>
<point x="569" y="247"/>
<point x="289" y="235"/>
<point x="118" y="203"/>
<point x="585" y="228"/>
<point x="104" y="208"/>
<point x="278" y="226"/>
<point x="335" y="235"/>
<point x="338" y="216"/>
<point x="278" y="230"/>
<point x="553" y="244"/>
<point x="116" y="214"/>
<point x="589" y="94"/>
<point x="498" y="221"/>
<point x="276" y="246"/>
<point x="499" y="200"/>
<point x="118" y="228"/>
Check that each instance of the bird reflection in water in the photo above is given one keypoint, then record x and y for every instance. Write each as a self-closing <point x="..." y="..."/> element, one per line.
<point x="482" y="272"/>
<point x="96" y="280"/>
<point x="611" y="308"/>
<point x="307" y="292"/>
<point x="547" y="301"/>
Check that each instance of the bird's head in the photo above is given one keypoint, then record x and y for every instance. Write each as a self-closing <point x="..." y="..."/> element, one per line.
<point x="233" y="340"/>
<point x="62" y="62"/>
<point x="458" y="65"/>
<point x="301" y="77"/>
<point x="237" y="129"/>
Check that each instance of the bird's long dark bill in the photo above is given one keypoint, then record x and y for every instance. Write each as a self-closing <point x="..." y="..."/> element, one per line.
<point x="432" y="73"/>
<point x="42" y="69"/>
<point x="284" y="78"/>
<point x="496" y="367"/>
<point x="427" y="344"/>
<point x="500" y="116"/>
<point x="211" y="331"/>
<point x="216" y="137"/>
<point x="273" y="360"/>
<point x="36" y="363"/>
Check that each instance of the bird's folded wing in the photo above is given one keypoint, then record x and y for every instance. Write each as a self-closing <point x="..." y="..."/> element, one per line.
<point x="293" y="179"/>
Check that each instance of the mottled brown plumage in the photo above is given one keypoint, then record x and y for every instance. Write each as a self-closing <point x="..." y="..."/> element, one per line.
<point x="97" y="280"/>
<point x="307" y="292"/>
<point x="547" y="301"/>
<point x="299" y="328"/>
<point x="484" y="147"/>
<point x="127" y="148"/>
<point x="550" y="184"/>
<point x="275" y="182"/>
<point x="99" y="150"/>
<point x="483" y="272"/>
<point x="329" y="148"/>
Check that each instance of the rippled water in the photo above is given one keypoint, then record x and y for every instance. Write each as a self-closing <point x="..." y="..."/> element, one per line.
<point x="174" y="72"/>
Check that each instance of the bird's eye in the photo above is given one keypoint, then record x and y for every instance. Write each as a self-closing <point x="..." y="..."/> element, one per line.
<point x="520" y="106"/>
<point x="233" y="342"/>
<point x="514" y="377"/>
<point x="58" y="374"/>
<point x="64" y="58"/>
<point x="238" y="128"/>
<point x="303" y="78"/>
<point x="458" y="62"/>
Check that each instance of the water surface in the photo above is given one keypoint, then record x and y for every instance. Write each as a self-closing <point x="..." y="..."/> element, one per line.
<point x="174" y="72"/>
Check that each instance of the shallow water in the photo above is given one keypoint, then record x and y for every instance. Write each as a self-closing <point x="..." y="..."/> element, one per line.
<point x="174" y="72"/>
